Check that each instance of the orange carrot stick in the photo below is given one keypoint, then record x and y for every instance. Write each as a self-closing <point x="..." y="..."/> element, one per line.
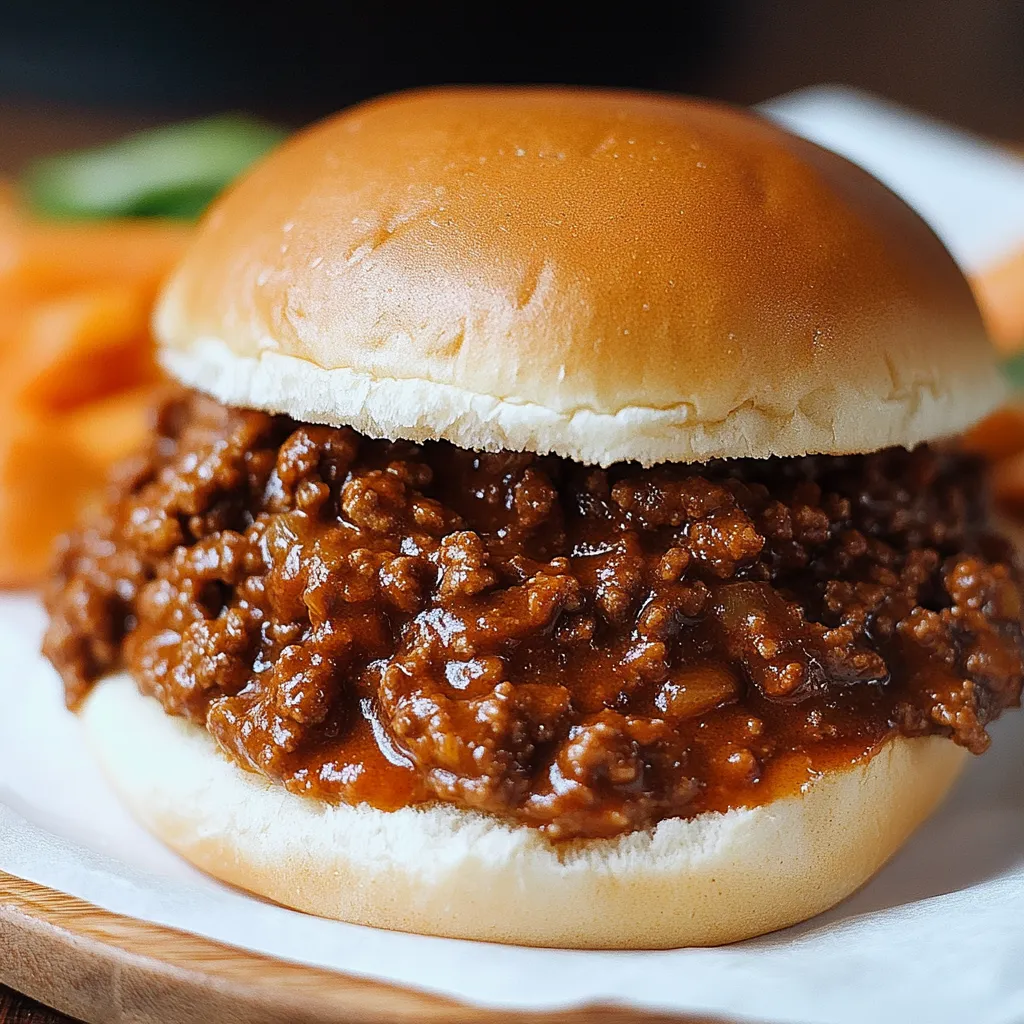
<point x="79" y="347"/>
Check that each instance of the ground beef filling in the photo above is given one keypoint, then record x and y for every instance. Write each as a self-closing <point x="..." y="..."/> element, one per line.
<point x="583" y="650"/>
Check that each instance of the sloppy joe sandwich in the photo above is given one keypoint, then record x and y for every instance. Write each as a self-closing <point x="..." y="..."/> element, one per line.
<point x="560" y="536"/>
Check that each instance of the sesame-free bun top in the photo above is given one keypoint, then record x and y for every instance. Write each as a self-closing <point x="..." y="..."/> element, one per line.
<point x="605" y="275"/>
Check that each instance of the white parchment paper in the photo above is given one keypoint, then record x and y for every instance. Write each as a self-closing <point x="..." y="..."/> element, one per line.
<point x="937" y="937"/>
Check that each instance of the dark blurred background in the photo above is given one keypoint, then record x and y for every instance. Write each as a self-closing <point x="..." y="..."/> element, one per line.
<point x="96" y="68"/>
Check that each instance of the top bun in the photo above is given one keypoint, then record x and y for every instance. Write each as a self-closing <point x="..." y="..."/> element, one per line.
<point x="604" y="275"/>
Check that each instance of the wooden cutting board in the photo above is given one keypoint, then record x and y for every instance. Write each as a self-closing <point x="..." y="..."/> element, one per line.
<point x="108" y="969"/>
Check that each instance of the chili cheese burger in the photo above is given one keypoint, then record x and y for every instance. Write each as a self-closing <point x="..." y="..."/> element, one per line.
<point x="560" y="535"/>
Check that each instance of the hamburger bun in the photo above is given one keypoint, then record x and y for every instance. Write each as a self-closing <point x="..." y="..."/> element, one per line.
<point x="603" y="275"/>
<point x="442" y="870"/>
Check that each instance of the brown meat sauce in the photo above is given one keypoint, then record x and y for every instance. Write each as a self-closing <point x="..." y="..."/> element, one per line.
<point x="582" y="650"/>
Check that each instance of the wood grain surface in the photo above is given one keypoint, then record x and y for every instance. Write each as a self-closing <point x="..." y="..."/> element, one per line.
<point x="104" y="968"/>
<point x="18" y="1009"/>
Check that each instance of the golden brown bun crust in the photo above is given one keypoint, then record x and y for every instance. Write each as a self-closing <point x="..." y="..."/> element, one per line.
<point x="443" y="871"/>
<point x="602" y="274"/>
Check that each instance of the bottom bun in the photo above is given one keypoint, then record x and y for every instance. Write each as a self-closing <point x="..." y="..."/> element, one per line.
<point x="440" y="870"/>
